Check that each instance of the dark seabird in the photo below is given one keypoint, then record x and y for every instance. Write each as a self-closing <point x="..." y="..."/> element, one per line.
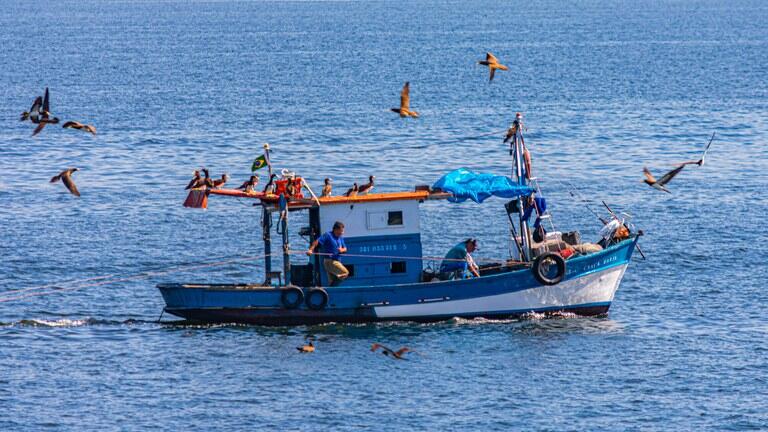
<point x="66" y="178"/>
<point x="405" y="103"/>
<point x="45" y="116"/>
<point x="195" y="180"/>
<point x="366" y="187"/>
<point x="700" y="162"/>
<point x="269" y="188"/>
<point x="351" y="192"/>
<point x="308" y="348"/>
<point x="391" y="353"/>
<point x="34" y="112"/>
<point x="493" y="63"/>
<point x="221" y="182"/>
<point x="661" y="183"/>
<point x="327" y="188"/>
<point x="250" y="184"/>
<point x="77" y="125"/>
<point x="207" y="182"/>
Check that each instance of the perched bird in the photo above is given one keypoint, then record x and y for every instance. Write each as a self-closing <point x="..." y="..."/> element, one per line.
<point x="493" y="63"/>
<point x="661" y="183"/>
<point x="700" y="162"/>
<point x="269" y="188"/>
<point x="207" y="182"/>
<point x="195" y="180"/>
<point x="405" y="103"/>
<point x="66" y="178"/>
<point x="327" y="188"/>
<point x="390" y="353"/>
<point x="366" y="187"/>
<point x="77" y="125"/>
<point x="34" y="111"/>
<point x="351" y="192"/>
<point x="44" y="116"/>
<point x="221" y="182"/>
<point x="249" y="184"/>
<point x="308" y="348"/>
<point x="514" y="127"/>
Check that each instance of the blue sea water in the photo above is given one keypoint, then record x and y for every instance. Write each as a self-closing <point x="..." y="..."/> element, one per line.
<point x="606" y="87"/>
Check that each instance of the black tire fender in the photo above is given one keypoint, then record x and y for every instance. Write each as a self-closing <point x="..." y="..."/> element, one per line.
<point x="317" y="299"/>
<point x="291" y="297"/>
<point x="541" y="268"/>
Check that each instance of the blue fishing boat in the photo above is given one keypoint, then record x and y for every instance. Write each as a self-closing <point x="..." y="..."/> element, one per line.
<point x="548" y="274"/>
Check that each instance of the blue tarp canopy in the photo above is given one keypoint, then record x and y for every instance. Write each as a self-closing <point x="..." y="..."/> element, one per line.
<point x="465" y="184"/>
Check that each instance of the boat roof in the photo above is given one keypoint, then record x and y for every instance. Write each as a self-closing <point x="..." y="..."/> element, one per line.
<point x="309" y="202"/>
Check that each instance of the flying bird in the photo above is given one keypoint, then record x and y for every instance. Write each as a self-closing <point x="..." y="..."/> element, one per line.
<point x="662" y="182"/>
<point x="398" y="355"/>
<point x="405" y="103"/>
<point x="351" y="192"/>
<point x="366" y="187"/>
<point x="327" y="188"/>
<point x="44" y="115"/>
<point x="77" y="125"/>
<point x="249" y="184"/>
<point x="33" y="112"/>
<point x="218" y="183"/>
<point x="493" y="63"/>
<point x="308" y="348"/>
<point x="700" y="162"/>
<point x="66" y="178"/>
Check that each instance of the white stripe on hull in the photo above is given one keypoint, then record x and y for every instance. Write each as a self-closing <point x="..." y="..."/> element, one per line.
<point x="598" y="287"/>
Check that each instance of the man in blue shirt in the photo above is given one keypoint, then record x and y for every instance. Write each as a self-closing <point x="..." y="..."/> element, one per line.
<point x="458" y="260"/>
<point x="332" y="244"/>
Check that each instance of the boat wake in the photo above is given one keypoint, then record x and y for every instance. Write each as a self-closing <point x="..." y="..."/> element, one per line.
<point x="68" y="322"/>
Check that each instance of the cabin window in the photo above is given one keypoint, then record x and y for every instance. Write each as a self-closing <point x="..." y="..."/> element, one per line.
<point x="395" y="218"/>
<point x="385" y="220"/>
<point x="397" y="267"/>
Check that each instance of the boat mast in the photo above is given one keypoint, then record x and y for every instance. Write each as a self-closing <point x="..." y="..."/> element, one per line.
<point x="266" y="226"/>
<point x="517" y="152"/>
<point x="283" y="205"/>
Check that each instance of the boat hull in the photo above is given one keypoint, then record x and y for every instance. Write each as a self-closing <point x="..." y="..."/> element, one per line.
<point x="587" y="289"/>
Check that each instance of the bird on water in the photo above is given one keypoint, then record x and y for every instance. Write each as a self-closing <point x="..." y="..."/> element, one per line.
<point x="493" y="64"/>
<point x="308" y="348"/>
<point x="405" y="103"/>
<point x="364" y="189"/>
<point x="398" y="355"/>
<point x="77" y="125"/>
<point x="66" y="178"/>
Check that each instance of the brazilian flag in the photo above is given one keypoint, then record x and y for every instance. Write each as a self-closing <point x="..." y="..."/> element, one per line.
<point x="259" y="162"/>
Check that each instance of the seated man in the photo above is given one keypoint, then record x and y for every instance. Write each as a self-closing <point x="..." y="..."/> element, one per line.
<point x="332" y="244"/>
<point x="458" y="260"/>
